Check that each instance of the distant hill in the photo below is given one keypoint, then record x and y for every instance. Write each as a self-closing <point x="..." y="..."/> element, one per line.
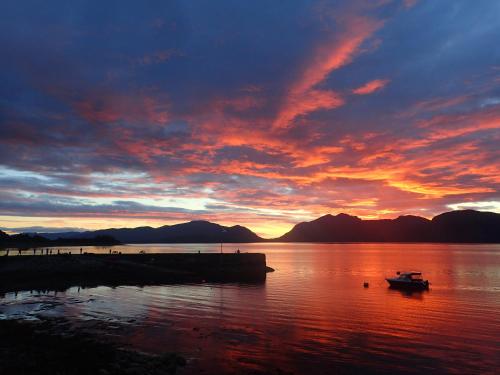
<point x="466" y="226"/>
<point x="3" y="236"/>
<point x="33" y="240"/>
<point x="191" y="232"/>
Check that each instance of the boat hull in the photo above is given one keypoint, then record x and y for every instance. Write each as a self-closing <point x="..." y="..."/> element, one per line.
<point x="413" y="285"/>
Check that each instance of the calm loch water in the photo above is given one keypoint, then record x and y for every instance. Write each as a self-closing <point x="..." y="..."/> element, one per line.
<point x="311" y="316"/>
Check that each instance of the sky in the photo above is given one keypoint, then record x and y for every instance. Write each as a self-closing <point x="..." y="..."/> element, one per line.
<point x="258" y="113"/>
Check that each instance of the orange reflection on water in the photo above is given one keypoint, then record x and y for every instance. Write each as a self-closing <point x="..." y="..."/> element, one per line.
<point x="314" y="310"/>
<point x="313" y="314"/>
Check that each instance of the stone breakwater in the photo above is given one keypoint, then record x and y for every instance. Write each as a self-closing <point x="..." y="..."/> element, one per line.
<point x="64" y="271"/>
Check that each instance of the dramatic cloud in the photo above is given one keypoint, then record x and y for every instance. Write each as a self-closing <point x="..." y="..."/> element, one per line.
<point x="254" y="113"/>
<point x="331" y="54"/>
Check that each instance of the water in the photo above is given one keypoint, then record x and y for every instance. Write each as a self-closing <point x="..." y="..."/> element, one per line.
<point x="310" y="316"/>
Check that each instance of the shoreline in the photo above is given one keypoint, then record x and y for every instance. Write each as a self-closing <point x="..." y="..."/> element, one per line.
<point x="13" y="250"/>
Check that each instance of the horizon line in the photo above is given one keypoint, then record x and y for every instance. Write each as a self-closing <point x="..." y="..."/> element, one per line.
<point x="54" y="230"/>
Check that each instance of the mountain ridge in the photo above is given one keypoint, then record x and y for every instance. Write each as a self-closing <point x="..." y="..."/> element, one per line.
<point x="461" y="226"/>
<point x="196" y="231"/>
<point x="467" y="226"/>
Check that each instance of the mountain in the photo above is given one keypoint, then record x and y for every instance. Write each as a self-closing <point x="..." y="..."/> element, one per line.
<point x="455" y="226"/>
<point x="191" y="232"/>
<point x="467" y="226"/>
<point x="343" y="228"/>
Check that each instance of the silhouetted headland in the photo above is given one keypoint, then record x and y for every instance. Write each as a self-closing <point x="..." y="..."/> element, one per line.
<point x="466" y="226"/>
<point x="40" y="272"/>
<point x="33" y="241"/>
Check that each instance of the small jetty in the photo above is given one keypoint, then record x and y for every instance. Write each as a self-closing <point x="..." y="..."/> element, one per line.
<point x="59" y="272"/>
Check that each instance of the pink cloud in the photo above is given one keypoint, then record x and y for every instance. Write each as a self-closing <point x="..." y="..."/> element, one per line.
<point x="371" y="87"/>
<point x="325" y="59"/>
<point x="310" y="101"/>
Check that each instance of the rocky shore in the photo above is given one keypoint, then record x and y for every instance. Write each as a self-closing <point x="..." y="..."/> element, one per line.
<point x="53" y="347"/>
<point x="58" y="272"/>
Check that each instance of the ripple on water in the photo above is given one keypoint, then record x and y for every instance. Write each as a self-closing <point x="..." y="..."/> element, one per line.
<point x="311" y="315"/>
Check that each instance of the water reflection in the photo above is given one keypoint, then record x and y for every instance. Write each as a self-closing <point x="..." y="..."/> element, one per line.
<point x="409" y="293"/>
<point x="312" y="315"/>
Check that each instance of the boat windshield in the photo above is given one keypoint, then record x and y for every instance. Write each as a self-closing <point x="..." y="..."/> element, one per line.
<point x="416" y="277"/>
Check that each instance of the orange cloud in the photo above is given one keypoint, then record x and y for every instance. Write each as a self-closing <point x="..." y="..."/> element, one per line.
<point x="449" y="126"/>
<point x="302" y="97"/>
<point x="370" y="87"/>
<point x="302" y="104"/>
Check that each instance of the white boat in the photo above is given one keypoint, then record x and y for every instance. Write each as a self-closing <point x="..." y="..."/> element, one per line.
<point x="408" y="280"/>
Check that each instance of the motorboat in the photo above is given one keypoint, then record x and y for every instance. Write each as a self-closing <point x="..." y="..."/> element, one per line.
<point x="408" y="280"/>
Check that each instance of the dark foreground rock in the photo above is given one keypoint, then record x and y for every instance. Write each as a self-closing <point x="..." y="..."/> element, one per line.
<point x="58" y="272"/>
<point x="48" y="348"/>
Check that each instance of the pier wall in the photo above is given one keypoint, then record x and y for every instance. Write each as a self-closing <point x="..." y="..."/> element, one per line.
<point x="62" y="271"/>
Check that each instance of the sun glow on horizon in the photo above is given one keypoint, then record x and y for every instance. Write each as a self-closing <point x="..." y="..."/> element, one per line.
<point x="272" y="227"/>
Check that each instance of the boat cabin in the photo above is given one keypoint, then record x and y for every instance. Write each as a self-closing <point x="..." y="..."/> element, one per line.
<point x="413" y="276"/>
<point x="408" y="280"/>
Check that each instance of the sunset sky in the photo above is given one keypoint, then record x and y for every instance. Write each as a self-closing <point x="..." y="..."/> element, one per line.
<point x="259" y="113"/>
